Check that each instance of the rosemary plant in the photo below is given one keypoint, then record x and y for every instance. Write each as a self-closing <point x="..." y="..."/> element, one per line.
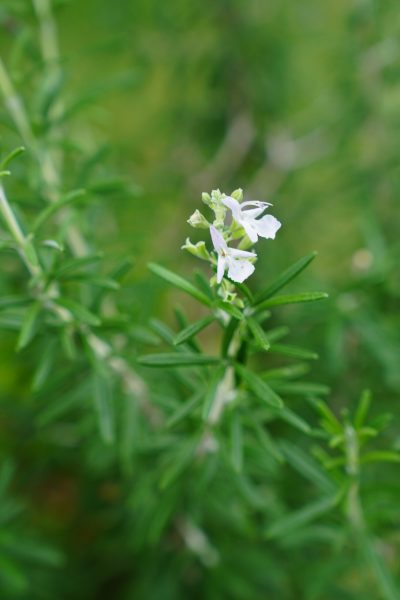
<point x="151" y="460"/>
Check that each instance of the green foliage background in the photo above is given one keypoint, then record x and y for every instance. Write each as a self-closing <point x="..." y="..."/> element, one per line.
<point x="299" y="104"/>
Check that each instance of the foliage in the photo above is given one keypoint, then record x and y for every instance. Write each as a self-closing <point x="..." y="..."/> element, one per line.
<point x="142" y="459"/>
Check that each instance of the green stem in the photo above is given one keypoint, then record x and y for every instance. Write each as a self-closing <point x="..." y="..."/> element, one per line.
<point x="48" y="32"/>
<point x="47" y="163"/>
<point x="227" y="385"/>
<point x="354" y="509"/>
<point x="17" y="233"/>
<point x="16" y="109"/>
<point x="356" y="519"/>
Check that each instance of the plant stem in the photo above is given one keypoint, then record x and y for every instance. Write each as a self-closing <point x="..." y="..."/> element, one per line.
<point x="16" y="232"/>
<point x="17" y="110"/>
<point x="44" y="157"/>
<point x="226" y="387"/>
<point x="355" y="513"/>
<point x="356" y="519"/>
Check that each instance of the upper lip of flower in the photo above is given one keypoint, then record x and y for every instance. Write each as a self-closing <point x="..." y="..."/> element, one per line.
<point x="246" y="215"/>
<point x="237" y="261"/>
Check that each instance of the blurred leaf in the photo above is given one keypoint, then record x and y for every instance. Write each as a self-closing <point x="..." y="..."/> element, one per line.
<point x="81" y="313"/>
<point x="76" y="264"/>
<point x="289" y="523"/>
<point x="10" y="157"/>
<point x="380" y="456"/>
<point x="293" y="352"/>
<point x="306" y="466"/>
<point x="29" y="326"/>
<point x="362" y="409"/>
<point x="104" y="405"/>
<point x="376" y="563"/>
<point x="50" y="210"/>
<point x="236" y="436"/>
<point x="177" y="360"/>
<point x="267" y="442"/>
<point x="183" y="411"/>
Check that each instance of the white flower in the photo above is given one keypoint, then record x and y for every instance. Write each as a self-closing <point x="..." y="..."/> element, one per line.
<point x="246" y="215"/>
<point x="236" y="261"/>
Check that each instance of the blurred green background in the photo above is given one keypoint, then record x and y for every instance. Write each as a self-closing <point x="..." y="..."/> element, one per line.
<point x="296" y="102"/>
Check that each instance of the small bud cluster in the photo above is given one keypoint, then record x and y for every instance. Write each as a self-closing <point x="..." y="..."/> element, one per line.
<point x="246" y="225"/>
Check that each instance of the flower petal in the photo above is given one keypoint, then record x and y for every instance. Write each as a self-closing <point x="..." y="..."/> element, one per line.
<point x="221" y="267"/>
<point x="253" y="213"/>
<point x="267" y="227"/>
<point x="218" y="240"/>
<point x="250" y="227"/>
<point x="239" y="270"/>
<point x="235" y="253"/>
<point x="255" y="204"/>
<point x="234" y="206"/>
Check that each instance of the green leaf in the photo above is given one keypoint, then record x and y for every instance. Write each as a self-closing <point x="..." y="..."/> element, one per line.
<point x="294" y="420"/>
<point x="211" y="392"/>
<point x="330" y="422"/>
<point x="307" y="466"/>
<point x="285" y="277"/>
<point x="10" y="157"/>
<point x="177" y="360"/>
<point x="50" y="210"/>
<point x="289" y="372"/>
<point x="381" y="456"/>
<point x="102" y="282"/>
<point x="302" y="388"/>
<point x="228" y="336"/>
<point x="78" y="311"/>
<point x="12" y="301"/>
<point x="237" y="443"/>
<point x="103" y="402"/>
<point x="267" y="442"/>
<point x="362" y="409"/>
<point x="162" y="330"/>
<point x="377" y="565"/>
<point x="304" y="516"/>
<point x="28" y="329"/>
<point x="259" y="334"/>
<point x="292" y="299"/>
<point x="77" y="264"/>
<point x="179" y="462"/>
<point x="293" y="352"/>
<point x="180" y="283"/>
<point x="45" y="366"/>
<point x="192" y="330"/>
<point x="30" y="253"/>
<point x="232" y="310"/>
<point x="259" y="387"/>
<point x="185" y="409"/>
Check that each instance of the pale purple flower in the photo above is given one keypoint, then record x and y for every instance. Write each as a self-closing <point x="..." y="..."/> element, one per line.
<point x="246" y="213"/>
<point x="236" y="261"/>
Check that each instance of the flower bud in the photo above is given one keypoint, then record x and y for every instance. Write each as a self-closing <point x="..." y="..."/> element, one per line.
<point x="238" y="194"/>
<point x="206" y="198"/>
<point x="198" y="249"/>
<point x="198" y="221"/>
